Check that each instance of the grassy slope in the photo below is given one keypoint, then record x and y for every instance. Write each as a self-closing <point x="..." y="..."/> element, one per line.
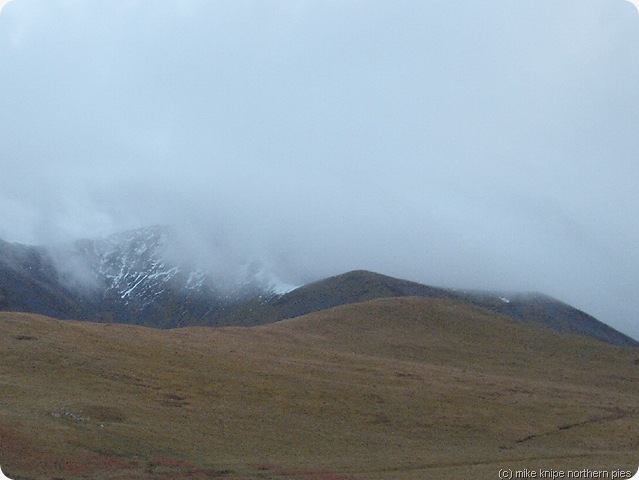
<point x="408" y="388"/>
<point x="361" y="285"/>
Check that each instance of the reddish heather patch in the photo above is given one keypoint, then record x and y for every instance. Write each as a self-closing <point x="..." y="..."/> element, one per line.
<point x="74" y="468"/>
<point x="296" y="474"/>
<point x="263" y="467"/>
<point x="172" y="462"/>
<point x="206" y="474"/>
<point x="19" y="454"/>
<point x="192" y="474"/>
<point x="183" y="469"/>
<point x="323" y="476"/>
<point x="111" y="463"/>
<point x="21" y="457"/>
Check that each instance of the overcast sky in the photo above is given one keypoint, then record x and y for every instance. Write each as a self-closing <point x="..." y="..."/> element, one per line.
<point x="490" y="144"/>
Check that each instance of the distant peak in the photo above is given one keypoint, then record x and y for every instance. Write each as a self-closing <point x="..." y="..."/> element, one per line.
<point x="361" y="274"/>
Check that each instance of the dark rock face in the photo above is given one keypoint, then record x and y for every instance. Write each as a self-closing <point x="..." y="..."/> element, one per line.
<point x="133" y="277"/>
<point x="29" y="282"/>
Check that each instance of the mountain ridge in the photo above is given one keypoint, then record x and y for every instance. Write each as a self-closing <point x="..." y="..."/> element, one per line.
<point x="136" y="277"/>
<point x="362" y="285"/>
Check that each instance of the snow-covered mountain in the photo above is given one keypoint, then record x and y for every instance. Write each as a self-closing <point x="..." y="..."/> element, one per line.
<point x="152" y="271"/>
<point x="133" y="266"/>
<point x="147" y="276"/>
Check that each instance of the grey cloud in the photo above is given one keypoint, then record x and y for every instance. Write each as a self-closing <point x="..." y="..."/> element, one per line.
<point x="471" y="144"/>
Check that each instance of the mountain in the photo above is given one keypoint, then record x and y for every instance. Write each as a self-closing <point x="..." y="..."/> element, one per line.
<point x="138" y="276"/>
<point x="132" y="277"/>
<point x="408" y="388"/>
<point x="29" y="282"/>
<point x="540" y="309"/>
<point x="361" y="285"/>
<point x="147" y="277"/>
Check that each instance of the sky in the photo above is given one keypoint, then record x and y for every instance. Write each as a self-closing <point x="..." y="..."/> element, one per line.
<point x="488" y="145"/>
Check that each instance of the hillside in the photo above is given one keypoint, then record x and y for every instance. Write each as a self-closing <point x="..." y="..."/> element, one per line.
<point x="140" y="276"/>
<point x="350" y="287"/>
<point x="539" y="309"/>
<point x="29" y="282"/>
<point x="393" y="389"/>
<point x="144" y="277"/>
<point x="361" y="285"/>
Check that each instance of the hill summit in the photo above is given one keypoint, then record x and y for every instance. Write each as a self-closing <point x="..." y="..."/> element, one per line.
<point x="143" y="277"/>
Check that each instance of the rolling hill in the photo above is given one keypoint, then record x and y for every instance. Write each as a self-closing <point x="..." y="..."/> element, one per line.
<point x="401" y="388"/>
<point x="362" y="285"/>
<point x="137" y="277"/>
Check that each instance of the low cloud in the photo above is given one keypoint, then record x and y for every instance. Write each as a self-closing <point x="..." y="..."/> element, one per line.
<point x="453" y="143"/>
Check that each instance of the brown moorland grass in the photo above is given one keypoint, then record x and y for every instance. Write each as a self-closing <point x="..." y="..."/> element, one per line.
<point x="404" y="388"/>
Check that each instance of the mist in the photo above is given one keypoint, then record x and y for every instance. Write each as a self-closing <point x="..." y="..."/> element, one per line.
<point x="487" y="145"/>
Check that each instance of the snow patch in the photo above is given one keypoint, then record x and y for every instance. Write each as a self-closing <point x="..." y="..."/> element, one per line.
<point x="195" y="280"/>
<point x="137" y="267"/>
<point x="280" y="288"/>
